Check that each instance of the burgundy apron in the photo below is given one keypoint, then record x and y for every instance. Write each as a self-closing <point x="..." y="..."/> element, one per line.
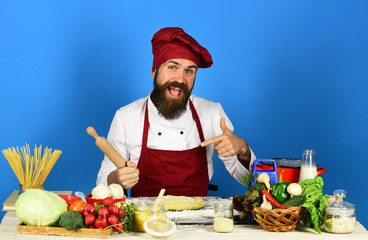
<point x="181" y="173"/>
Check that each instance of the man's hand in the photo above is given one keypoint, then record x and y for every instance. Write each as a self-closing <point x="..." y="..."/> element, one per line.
<point x="127" y="177"/>
<point x="227" y="144"/>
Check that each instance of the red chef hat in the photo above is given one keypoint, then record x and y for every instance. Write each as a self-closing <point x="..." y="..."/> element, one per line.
<point x="173" y="42"/>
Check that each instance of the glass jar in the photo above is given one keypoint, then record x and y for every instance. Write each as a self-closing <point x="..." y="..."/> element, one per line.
<point x="308" y="168"/>
<point x="143" y="211"/>
<point x="223" y="220"/>
<point x="340" y="215"/>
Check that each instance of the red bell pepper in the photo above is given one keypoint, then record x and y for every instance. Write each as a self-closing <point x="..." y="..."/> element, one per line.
<point x="272" y="200"/>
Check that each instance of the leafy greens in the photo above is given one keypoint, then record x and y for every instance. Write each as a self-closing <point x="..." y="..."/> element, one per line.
<point x="315" y="202"/>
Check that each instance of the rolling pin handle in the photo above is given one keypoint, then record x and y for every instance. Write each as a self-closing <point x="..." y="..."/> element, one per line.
<point x="92" y="132"/>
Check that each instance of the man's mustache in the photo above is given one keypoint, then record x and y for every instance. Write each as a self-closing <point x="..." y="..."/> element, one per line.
<point x="175" y="84"/>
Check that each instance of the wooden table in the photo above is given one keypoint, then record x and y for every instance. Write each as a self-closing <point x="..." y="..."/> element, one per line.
<point x="8" y="231"/>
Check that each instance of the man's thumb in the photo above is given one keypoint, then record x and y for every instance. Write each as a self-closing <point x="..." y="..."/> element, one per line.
<point x="130" y="164"/>
<point x="223" y="125"/>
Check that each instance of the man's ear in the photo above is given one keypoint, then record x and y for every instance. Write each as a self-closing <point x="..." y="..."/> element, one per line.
<point x="154" y="73"/>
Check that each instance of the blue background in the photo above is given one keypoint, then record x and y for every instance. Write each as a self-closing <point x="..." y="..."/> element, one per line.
<point x="290" y="75"/>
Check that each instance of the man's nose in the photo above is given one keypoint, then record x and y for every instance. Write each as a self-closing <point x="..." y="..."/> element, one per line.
<point x="180" y="77"/>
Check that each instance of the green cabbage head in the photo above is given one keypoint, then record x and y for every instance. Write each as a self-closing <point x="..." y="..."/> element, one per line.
<point x="40" y="208"/>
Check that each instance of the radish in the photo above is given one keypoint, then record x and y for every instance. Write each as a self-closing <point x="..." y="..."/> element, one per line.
<point x="85" y="213"/>
<point x="103" y="212"/>
<point x="113" y="209"/>
<point x="120" y="212"/>
<point x="108" y="201"/>
<point x="89" y="219"/>
<point x="112" y="219"/>
<point x="101" y="223"/>
<point x="118" y="227"/>
<point x="90" y="208"/>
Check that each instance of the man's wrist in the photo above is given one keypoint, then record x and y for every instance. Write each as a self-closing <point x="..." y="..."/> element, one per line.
<point x="245" y="156"/>
<point x="111" y="178"/>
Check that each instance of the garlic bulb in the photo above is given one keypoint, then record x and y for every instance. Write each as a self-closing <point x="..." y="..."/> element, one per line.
<point x="266" y="204"/>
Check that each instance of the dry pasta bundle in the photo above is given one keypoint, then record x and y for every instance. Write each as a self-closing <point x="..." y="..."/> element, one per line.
<point x="31" y="171"/>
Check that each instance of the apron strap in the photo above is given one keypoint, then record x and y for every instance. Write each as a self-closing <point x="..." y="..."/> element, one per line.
<point x="145" y="128"/>
<point x="196" y="119"/>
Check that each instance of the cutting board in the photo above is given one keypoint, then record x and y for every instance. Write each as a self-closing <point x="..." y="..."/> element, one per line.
<point x="60" y="231"/>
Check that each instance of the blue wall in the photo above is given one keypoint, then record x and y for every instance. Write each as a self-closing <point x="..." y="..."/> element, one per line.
<point x="290" y="75"/>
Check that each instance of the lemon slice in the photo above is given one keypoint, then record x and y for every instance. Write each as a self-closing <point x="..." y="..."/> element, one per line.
<point x="159" y="227"/>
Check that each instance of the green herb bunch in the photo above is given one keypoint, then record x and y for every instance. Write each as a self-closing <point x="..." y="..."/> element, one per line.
<point x="127" y="218"/>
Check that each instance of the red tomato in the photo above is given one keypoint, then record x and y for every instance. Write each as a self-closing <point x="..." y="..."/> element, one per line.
<point x="78" y="206"/>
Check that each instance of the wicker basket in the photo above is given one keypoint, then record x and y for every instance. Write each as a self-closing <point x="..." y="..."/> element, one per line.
<point x="278" y="220"/>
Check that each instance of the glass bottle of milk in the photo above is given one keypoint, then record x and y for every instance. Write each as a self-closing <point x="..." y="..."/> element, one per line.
<point x="308" y="167"/>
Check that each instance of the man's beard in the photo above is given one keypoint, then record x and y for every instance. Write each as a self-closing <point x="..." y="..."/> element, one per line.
<point x="168" y="107"/>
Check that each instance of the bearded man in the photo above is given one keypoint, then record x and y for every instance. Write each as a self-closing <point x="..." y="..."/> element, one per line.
<point x="163" y="136"/>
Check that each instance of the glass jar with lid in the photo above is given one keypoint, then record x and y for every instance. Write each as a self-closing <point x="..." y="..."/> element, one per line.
<point x="340" y="215"/>
<point x="223" y="218"/>
<point x="143" y="210"/>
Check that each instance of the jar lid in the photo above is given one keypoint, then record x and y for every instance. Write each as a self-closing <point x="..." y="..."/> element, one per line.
<point x="340" y="206"/>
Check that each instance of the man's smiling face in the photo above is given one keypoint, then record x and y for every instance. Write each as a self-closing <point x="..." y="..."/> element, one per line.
<point x="174" y="81"/>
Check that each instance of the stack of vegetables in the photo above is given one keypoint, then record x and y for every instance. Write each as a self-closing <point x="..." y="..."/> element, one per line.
<point x="307" y="194"/>
<point x="38" y="207"/>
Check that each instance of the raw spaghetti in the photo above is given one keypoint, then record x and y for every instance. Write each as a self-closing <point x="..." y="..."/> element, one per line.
<point x="31" y="170"/>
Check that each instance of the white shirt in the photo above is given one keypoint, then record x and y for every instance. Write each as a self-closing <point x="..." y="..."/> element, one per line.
<point x="126" y="132"/>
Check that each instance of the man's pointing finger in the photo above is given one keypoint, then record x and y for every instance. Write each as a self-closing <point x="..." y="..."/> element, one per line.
<point x="211" y="140"/>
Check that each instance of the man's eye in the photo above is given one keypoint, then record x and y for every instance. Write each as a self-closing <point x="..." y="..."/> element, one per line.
<point x="172" y="67"/>
<point x="189" y="71"/>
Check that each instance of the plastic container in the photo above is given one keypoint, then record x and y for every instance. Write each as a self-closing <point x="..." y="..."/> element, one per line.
<point x="340" y="215"/>
<point x="272" y="172"/>
<point x="143" y="210"/>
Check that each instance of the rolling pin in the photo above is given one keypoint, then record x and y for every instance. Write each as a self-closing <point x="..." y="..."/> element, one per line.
<point x="107" y="148"/>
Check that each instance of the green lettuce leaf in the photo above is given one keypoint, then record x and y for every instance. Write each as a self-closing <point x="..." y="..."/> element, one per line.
<point x="315" y="202"/>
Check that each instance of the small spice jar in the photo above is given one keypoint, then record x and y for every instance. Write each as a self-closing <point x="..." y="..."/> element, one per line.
<point x="223" y="220"/>
<point x="340" y="215"/>
<point x="143" y="210"/>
